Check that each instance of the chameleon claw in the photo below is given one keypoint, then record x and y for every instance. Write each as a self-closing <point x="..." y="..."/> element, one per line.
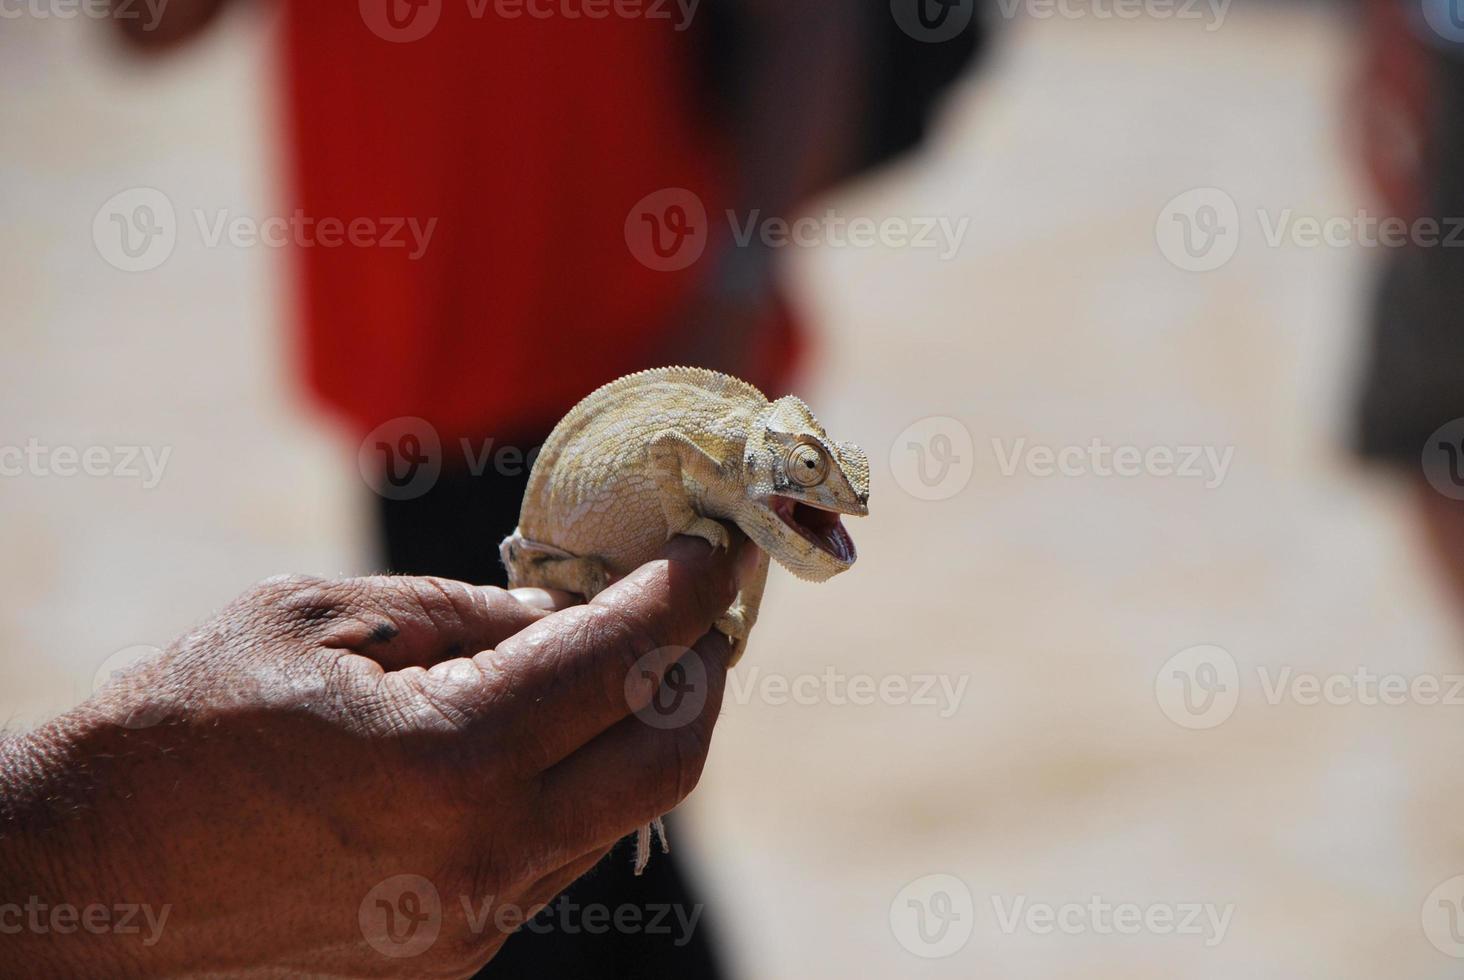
<point x="710" y="531"/>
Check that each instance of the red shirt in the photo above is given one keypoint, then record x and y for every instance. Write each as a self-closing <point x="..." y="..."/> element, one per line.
<point x="518" y="146"/>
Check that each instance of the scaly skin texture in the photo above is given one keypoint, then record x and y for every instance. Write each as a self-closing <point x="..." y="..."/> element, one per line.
<point x="676" y="450"/>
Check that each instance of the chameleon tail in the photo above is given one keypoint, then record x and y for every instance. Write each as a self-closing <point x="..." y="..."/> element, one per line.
<point x="643" y="844"/>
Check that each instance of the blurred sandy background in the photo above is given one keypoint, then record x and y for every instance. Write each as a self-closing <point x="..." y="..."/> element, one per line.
<point x="1057" y="777"/>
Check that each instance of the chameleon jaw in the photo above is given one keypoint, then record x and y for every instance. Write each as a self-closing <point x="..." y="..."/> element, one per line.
<point x="820" y="527"/>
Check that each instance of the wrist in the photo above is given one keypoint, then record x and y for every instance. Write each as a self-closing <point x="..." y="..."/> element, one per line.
<point x="59" y="895"/>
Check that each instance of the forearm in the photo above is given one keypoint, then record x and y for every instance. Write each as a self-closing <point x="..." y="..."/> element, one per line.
<point x="66" y="907"/>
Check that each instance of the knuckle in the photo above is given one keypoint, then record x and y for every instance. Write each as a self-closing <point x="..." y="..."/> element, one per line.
<point x="439" y="597"/>
<point x="443" y="606"/>
<point x="299" y="598"/>
<point x="281" y="586"/>
<point x="383" y="607"/>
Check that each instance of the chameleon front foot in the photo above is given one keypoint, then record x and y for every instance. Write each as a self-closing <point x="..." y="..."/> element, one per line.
<point x="734" y="625"/>
<point x="710" y="531"/>
<point x="737" y="622"/>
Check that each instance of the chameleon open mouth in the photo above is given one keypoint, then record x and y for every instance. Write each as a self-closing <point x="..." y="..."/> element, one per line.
<point x="823" y="528"/>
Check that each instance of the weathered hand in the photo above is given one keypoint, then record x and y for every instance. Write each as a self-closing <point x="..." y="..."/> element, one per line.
<point x="330" y="778"/>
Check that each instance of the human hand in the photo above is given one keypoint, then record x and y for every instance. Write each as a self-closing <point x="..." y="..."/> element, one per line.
<point x="329" y="778"/>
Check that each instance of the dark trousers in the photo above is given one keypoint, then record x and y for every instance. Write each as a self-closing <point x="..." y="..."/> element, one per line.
<point x="453" y="531"/>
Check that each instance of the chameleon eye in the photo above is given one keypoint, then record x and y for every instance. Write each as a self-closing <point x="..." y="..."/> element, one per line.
<point x="807" y="465"/>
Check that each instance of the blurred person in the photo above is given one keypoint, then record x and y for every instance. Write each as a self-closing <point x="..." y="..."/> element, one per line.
<point x="1413" y="130"/>
<point x="559" y="183"/>
<point x="326" y="780"/>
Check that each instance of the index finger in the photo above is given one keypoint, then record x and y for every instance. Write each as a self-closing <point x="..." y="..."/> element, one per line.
<point x="567" y="673"/>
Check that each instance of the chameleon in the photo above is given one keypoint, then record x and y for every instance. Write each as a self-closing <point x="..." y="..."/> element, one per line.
<point x="678" y="450"/>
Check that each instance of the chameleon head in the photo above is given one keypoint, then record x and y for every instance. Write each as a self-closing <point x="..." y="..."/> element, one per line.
<point x="799" y="483"/>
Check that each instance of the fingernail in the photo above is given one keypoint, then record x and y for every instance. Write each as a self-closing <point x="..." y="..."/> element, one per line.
<point x="538" y="598"/>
